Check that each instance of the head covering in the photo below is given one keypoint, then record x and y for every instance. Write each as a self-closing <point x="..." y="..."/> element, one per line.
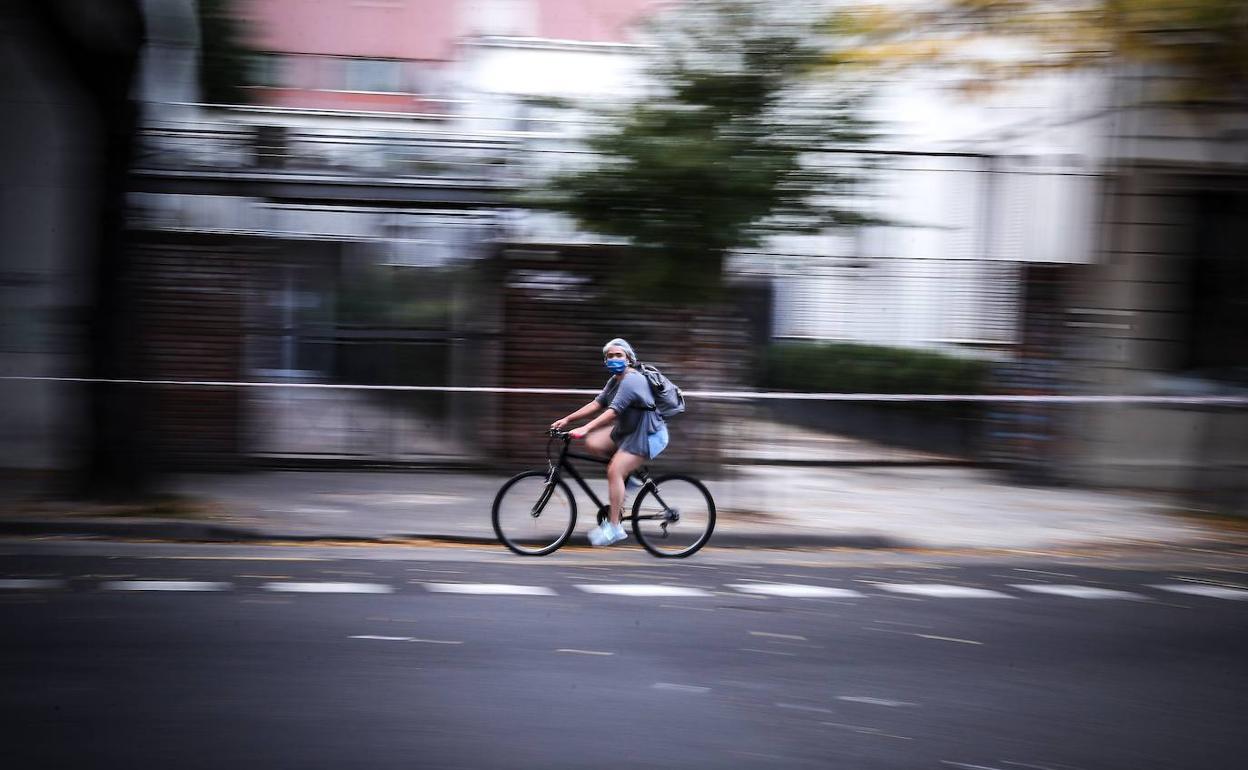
<point x="620" y="342"/>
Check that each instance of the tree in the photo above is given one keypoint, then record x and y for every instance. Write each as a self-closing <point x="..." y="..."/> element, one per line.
<point x="728" y="146"/>
<point x="1201" y="45"/>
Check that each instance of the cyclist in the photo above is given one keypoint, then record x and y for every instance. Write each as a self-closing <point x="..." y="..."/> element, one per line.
<point x="628" y="430"/>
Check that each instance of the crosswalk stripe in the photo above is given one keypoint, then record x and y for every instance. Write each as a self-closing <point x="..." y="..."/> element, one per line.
<point x="1200" y="589"/>
<point x="489" y="589"/>
<point x="779" y="590"/>
<point x="641" y="589"/>
<point x="329" y="588"/>
<point x="795" y="591"/>
<point x="30" y="584"/>
<point x="1076" y="592"/>
<point x="164" y="585"/>
<point x="942" y="591"/>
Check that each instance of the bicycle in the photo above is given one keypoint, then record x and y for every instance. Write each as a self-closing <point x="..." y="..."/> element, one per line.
<point x="534" y="512"/>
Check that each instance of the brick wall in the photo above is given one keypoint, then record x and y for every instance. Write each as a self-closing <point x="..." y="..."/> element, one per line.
<point x="190" y="297"/>
<point x="556" y="317"/>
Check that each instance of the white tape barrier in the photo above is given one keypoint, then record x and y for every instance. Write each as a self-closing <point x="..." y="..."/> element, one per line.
<point x="720" y="395"/>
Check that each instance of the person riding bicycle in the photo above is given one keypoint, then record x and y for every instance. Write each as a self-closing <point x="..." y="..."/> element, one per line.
<point x="629" y="430"/>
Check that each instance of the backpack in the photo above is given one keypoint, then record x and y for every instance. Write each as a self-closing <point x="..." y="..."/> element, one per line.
<point x="668" y="400"/>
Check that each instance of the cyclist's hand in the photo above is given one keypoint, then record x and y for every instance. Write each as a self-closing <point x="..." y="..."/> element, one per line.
<point x="578" y="434"/>
<point x="559" y="424"/>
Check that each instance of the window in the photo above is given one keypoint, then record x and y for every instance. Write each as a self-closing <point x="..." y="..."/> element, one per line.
<point x="269" y="70"/>
<point x="374" y="75"/>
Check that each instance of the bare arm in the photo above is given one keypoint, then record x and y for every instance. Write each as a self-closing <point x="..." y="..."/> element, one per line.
<point x="606" y="418"/>
<point x="592" y="407"/>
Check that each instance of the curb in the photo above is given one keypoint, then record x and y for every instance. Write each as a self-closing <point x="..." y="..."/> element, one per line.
<point x="202" y="532"/>
<point x="194" y="532"/>
<point x="121" y="528"/>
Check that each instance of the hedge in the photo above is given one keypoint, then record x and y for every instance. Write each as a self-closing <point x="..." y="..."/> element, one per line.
<point x="829" y="367"/>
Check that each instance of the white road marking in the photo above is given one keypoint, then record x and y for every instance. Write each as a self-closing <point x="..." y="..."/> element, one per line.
<point x="942" y="591"/>
<point x="489" y="589"/>
<point x="641" y="589"/>
<point x="948" y="639"/>
<point x="164" y="585"/>
<point x="768" y="652"/>
<point x="1200" y="589"/>
<point x="966" y="766"/>
<point x="734" y="595"/>
<point x="329" y="588"/>
<point x="30" y="584"/>
<point x="1076" y="592"/>
<point x="796" y="591"/>
<point x="679" y="687"/>
<point x="792" y="637"/>
<point x="583" y="652"/>
<point x="866" y="730"/>
<point x="798" y="707"/>
<point x="403" y="639"/>
<point x="902" y="623"/>
<point x="875" y="701"/>
<point x="1043" y="572"/>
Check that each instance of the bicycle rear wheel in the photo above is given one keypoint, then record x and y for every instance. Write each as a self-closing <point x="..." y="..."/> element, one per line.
<point x="532" y="516"/>
<point x="674" y="517"/>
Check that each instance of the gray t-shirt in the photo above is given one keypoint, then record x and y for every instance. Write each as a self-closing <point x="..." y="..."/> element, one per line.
<point x="636" y="418"/>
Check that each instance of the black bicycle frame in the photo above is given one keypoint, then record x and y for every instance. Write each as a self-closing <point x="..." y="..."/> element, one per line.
<point x="562" y="464"/>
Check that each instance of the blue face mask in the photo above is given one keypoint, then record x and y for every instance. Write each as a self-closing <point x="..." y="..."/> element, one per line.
<point x="616" y="365"/>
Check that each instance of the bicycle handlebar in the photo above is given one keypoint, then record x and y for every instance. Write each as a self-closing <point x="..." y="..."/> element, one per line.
<point x="556" y="433"/>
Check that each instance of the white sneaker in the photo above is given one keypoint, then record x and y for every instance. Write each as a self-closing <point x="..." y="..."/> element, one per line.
<point x="600" y="534"/>
<point x="606" y="534"/>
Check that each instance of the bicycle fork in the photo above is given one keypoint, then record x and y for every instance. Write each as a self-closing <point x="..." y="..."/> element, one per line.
<point x="552" y="478"/>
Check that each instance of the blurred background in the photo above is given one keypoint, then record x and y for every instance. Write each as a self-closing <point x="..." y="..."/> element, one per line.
<point x="1026" y="198"/>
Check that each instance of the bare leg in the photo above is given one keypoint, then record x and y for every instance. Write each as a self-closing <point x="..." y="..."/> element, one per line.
<point x="622" y="464"/>
<point x="598" y="442"/>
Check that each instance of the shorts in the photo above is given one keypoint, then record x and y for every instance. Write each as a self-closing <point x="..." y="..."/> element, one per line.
<point x="656" y="442"/>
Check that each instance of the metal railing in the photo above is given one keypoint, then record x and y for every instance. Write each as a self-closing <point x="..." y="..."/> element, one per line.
<point x="323" y="151"/>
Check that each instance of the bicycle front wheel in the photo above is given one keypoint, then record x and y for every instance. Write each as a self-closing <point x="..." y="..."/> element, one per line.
<point x="674" y="517"/>
<point x="533" y="516"/>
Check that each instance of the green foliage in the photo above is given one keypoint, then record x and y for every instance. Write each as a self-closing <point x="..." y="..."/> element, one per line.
<point x="826" y="367"/>
<point x="225" y="59"/>
<point x="1203" y="42"/>
<point x="725" y="150"/>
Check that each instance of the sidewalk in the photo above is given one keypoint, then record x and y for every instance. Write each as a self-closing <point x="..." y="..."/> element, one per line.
<point x="904" y="501"/>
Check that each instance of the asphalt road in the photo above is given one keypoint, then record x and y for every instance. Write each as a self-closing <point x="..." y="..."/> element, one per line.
<point x="124" y="656"/>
